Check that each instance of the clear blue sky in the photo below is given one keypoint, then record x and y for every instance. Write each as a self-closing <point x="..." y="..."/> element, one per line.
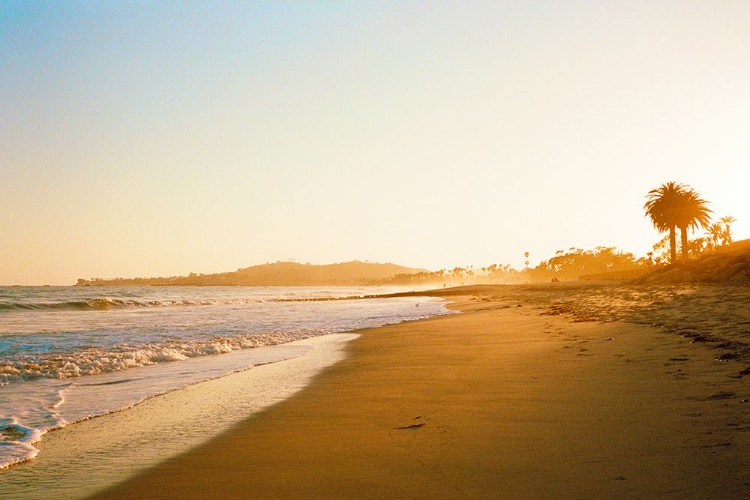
<point x="160" y="138"/>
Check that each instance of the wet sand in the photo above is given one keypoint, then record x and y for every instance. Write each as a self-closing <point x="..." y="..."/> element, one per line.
<point x="497" y="402"/>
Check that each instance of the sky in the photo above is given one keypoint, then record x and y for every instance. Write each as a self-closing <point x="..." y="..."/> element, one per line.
<point x="162" y="138"/>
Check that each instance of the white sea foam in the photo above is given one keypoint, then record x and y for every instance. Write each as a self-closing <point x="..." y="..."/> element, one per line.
<point x="17" y="441"/>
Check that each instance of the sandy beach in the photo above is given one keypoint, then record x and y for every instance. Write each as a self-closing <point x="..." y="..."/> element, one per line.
<point x="500" y="401"/>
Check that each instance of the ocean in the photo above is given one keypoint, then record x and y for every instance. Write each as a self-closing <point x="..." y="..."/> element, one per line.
<point x="68" y="354"/>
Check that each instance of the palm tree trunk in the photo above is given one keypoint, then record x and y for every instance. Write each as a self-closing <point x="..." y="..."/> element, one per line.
<point x="684" y="242"/>
<point x="672" y="245"/>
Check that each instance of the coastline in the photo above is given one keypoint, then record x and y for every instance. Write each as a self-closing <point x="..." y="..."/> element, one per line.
<point x="496" y="402"/>
<point x="84" y="457"/>
<point x="70" y="354"/>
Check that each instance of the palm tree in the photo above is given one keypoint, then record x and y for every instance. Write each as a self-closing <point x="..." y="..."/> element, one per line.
<point x="672" y="206"/>
<point x="715" y="231"/>
<point x="727" y="234"/>
<point x="660" y="207"/>
<point x="692" y="213"/>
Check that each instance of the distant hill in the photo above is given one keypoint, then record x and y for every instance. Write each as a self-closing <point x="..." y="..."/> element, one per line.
<point x="278" y="274"/>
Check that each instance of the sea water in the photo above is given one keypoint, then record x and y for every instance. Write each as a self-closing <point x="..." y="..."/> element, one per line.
<point x="68" y="354"/>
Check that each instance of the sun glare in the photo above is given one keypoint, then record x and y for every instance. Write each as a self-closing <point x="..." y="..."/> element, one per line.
<point x="737" y="200"/>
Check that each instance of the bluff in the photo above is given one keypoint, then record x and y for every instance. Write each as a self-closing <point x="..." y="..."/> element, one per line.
<point x="727" y="266"/>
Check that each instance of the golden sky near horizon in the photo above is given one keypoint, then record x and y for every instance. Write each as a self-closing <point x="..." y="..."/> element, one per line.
<point x="173" y="137"/>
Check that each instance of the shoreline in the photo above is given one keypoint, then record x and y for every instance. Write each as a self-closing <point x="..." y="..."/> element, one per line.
<point x="70" y="356"/>
<point x="119" y="444"/>
<point x="497" y="401"/>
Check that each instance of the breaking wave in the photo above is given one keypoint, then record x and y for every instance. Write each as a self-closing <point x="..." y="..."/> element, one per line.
<point x="103" y="304"/>
<point x="94" y="361"/>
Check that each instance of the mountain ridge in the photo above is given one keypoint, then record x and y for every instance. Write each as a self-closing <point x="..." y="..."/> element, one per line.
<point x="281" y="273"/>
